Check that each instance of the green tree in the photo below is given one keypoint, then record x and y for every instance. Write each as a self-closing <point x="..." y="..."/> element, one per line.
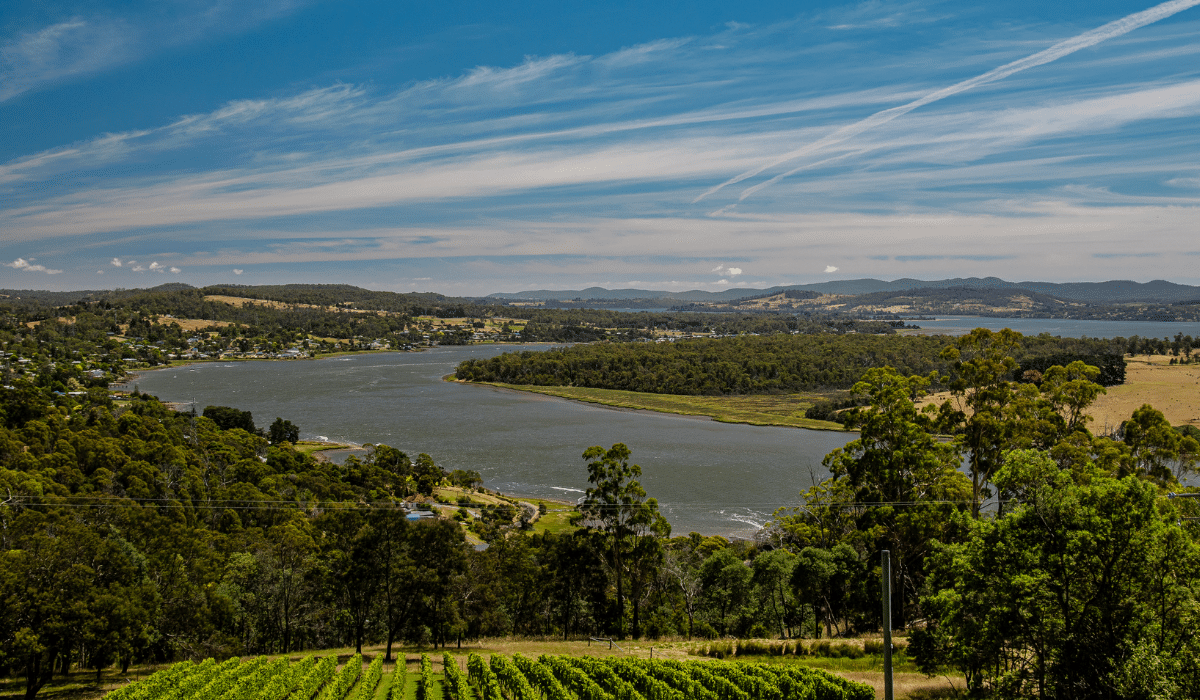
<point x="228" y="418"/>
<point x="283" y="431"/>
<point x="906" y="485"/>
<point x="1074" y="593"/>
<point x="351" y="563"/>
<point x="616" y="506"/>
<point x="772" y="578"/>
<point x="1158" y="451"/>
<point x="726" y="584"/>
<point x="981" y="362"/>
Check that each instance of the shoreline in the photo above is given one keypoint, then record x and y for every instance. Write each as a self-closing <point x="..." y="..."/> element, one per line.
<point x="614" y="405"/>
<point x="176" y="364"/>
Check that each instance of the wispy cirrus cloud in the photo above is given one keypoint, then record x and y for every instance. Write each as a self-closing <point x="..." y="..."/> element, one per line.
<point x="90" y="43"/>
<point x="602" y="155"/>
<point x="1063" y="48"/>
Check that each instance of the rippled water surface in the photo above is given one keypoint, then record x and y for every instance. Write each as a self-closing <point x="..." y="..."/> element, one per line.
<point x="714" y="478"/>
<point x="960" y="325"/>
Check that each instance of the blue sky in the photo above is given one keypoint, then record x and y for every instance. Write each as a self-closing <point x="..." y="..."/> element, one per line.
<point x="472" y="147"/>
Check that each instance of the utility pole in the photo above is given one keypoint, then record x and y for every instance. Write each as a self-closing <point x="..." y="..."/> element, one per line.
<point x="887" y="625"/>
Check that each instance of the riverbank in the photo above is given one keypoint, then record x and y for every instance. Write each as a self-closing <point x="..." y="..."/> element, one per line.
<point x="781" y="410"/>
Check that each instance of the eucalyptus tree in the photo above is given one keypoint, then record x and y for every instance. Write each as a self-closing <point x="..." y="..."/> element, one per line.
<point x="905" y="483"/>
<point x="981" y="363"/>
<point x="616" y="507"/>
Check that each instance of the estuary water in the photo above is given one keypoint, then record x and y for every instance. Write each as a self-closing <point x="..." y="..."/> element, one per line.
<point x="709" y="477"/>
<point x="713" y="478"/>
<point x="1067" y="328"/>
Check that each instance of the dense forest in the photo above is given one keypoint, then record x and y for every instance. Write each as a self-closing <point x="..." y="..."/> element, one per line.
<point x="765" y="364"/>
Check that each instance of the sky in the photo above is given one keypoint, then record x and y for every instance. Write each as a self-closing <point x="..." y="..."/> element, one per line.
<point x="476" y="147"/>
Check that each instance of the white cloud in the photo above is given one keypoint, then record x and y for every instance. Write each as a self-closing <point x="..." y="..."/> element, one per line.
<point x="85" y="45"/>
<point x="238" y="272"/>
<point x="155" y="267"/>
<point x="734" y="271"/>
<point x="139" y="268"/>
<point x="176" y="270"/>
<point x="1063" y="48"/>
<point x="116" y="262"/>
<point x="830" y="269"/>
<point x="28" y="266"/>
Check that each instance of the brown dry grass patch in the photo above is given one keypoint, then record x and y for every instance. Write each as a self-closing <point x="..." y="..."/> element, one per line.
<point x="238" y="301"/>
<point x="195" y="324"/>
<point x="1172" y="389"/>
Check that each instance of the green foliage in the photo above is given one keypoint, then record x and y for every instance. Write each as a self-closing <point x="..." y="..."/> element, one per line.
<point x="754" y="364"/>
<point x="574" y="679"/>
<point x="1085" y="584"/>
<point x="365" y="690"/>
<point x="457" y="687"/>
<point x="283" y="431"/>
<point x="481" y="676"/>
<point x="228" y="418"/>
<point x="512" y="681"/>
<point x="616" y="507"/>
<point x="425" y="684"/>
<point x="399" y="681"/>
<point x="342" y="681"/>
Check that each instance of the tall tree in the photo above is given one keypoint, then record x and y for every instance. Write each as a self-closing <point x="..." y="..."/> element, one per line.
<point x="616" y="506"/>
<point x="352" y="565"/>
<point x="906" y="484"/>
<point x="981" y="364"/>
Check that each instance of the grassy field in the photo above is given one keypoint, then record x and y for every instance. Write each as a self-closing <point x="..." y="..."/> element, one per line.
<point x="782" y="410"/>
<point x="1172" y="389"/>
<point x="310" y="446"/>
<point x="555" y="519"/>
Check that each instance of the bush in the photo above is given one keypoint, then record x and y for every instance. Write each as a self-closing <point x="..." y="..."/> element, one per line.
<point x="753" y="647"/>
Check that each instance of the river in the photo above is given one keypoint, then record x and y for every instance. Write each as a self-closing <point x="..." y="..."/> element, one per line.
<point x="709" y="477"/>
<point x="1067" y="328"/>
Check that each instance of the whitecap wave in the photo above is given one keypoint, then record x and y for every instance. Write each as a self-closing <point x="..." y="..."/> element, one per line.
<point x="563" y="488"/>
<point x="737" y="517"/>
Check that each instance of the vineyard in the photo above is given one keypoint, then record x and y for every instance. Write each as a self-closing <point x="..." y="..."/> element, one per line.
<point x="500" y="678"/>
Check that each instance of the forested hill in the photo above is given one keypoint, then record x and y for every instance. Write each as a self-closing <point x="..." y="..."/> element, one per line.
<point x="760" y="365"/>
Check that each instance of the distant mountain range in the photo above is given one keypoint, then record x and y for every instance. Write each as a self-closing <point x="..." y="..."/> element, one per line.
<point x="1112" y="292"/>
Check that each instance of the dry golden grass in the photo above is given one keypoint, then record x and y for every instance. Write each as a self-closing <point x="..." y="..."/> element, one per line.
<point x="195" y="324"/>
<point x="1172" y="389"/>
<point x="238" y="301"/>
<point x="910" y="685"/>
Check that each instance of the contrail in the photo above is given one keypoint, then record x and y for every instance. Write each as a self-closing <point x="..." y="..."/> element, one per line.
<point x="1063" y="48"/>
